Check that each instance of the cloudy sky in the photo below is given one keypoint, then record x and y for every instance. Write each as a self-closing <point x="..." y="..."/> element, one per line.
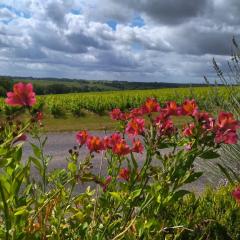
<point x="134" y="40"/>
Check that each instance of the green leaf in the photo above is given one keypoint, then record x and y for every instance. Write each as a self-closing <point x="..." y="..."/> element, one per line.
<point x="179" y="194"/>
<point x="193" y="177"/>
<point x="72" y="167"/>
<point x="36" y="150"/>
<point x="209" y="155"/>
<point x="135" y="193"/>
<point x="116" y="195"/>
<point x="36" y="163"/>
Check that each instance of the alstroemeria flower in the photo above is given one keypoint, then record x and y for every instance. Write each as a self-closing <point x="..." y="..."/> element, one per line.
<point x="22" y="95"/>
<point x="106" y="183"/>
<point x="135" y="126"/>
<point x="151" y="105"/>
<point x="206" y="121"/>
<point x="236" y="194"/>
<point x="81" y="137"/>
<point x="95" y="144"/>
<point x="117" y="114"/>
<point x="124" y="174"/>
<point x="121" y="148"/>
<point x="137" y="146"/>
<point x="110" y="141"/>
<point x="22" y="137"/>
<point x="164" y="125"/>
<point x="172" y="109"/>
<point x="188" y="130"/>
<point x="226" y="129"/>
<point x="189" y="107"/>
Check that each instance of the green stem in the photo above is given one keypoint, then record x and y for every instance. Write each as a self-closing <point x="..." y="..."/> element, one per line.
<point x="6" y="213"/>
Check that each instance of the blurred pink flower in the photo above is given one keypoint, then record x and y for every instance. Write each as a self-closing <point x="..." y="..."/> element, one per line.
<point x="22" y="95"/>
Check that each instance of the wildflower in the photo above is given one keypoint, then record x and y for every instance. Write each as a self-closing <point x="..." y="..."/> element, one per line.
<point x="81" y="137"/>
<point x="106" y="182"/>
<point x="189" y="107"/>
<point x="124" y="174"/>
<point x="165" y="125"/>
<point x="236" y="194"/>
<point x="137" y="146"/>
<point x="135" y="112"/>
<point x="121" y="148"/>
<point x="135" y="126"/>
<point x="95" y="144"/>
<point x="151" y="105"/>
<point x="206" y="120"/>
<point x="188" y="131"/>
<point x="22" y="95"/>
<point x="109" y="142"/>
<point x="22" y="137"/>
<point x="117" y="114"/>
<point x="39" y="116"/>
<point x="226" y="129"/>
<point x="172" y="109"/>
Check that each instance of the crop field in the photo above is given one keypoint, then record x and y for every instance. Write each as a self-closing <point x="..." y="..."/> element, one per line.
<point x="102" y="102"/>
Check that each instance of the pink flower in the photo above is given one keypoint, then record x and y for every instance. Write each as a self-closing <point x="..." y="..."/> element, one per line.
<point x="188" y="131"/>
<point x="226" y="129"/>
<point x="151" y="105"/>
<point x="95" y="144"/>
<point x="136" y="112"/>
<point x="117" y="114"/>
<point x="236" y="194"/>
<point x="164" y="125"/>
<point x="106" y="183"/>
<point x="109" y="142"/>
<point x="22" y="95"/>
<point x="137" y="146"/>
<point x="39" y="116"/>
<point x="124" y="174"/>
<point x="81" y="137"/>
<point x="172" y="109"/>
<point x="189" y="107"/>
<point x="206" y="121"/>
<point x="135" y="126"/>
<point x="22" y="137"/>
<point x="121" y="148"/>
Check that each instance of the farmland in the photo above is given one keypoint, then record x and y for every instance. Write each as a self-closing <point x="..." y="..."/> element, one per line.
<point x="79" y="110"/>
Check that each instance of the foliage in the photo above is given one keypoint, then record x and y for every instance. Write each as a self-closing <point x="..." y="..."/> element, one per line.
<point x="133" y="201"/>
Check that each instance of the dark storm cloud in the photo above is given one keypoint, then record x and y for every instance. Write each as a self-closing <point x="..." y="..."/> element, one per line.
<point x="167" y="11"/>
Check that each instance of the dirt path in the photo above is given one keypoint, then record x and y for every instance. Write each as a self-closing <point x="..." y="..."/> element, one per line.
<point x="58" y="145"/>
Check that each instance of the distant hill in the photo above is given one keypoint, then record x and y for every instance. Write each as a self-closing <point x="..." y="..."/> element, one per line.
<point x="44" y="86"/>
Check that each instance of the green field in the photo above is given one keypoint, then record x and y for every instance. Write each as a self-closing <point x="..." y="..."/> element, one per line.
<point x="89" y="110"/>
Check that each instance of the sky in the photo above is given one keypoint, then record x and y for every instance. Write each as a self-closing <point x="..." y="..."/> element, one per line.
<point x="133" y="40"/>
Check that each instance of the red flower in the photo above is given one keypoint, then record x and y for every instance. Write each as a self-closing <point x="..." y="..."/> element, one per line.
<point x="172" y="109"/>
<point x="236" y="194"/>
<point x="39" y="116"/>
<point x="206" y="120"/>
<point x="117" y="114"/>
<point x="189" y="107"/>
<point x="109" y="142"/>
<point x="121" y="148"/>
<point x="151" y="105"/>
<point x="136" y="112"/>
<point x="137" y="146"/>
<point x="135" y="126"/>
<point x="124" y="174"/>
<point x="22" y="95"/>
<point x="95" y="144"/>
<point x="22" y="137"/>
<point x="227" y="121"/>
<point x="226" y="129"/>
<point x="188" y="131"/>
<point x="106" y="183"/>
<point x="165" y="125"/>
<point x="81" y="137"/>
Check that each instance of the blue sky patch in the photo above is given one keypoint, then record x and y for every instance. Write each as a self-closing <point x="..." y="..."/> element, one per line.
<point x="112" y="24"/>
<point x="137" y="21"/>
